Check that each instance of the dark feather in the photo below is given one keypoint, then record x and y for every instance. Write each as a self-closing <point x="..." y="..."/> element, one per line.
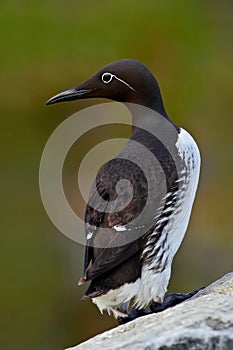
<point x="106" y="259"/>
<point x="126" y="272"/>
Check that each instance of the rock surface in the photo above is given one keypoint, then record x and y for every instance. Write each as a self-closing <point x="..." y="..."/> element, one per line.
<point x="204" y="322"/>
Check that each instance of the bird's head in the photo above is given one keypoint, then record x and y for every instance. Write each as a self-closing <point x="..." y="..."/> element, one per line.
<point x="122" y="81"/>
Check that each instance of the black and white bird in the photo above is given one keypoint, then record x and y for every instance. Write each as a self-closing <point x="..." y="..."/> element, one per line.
<point x="136" y="272"/>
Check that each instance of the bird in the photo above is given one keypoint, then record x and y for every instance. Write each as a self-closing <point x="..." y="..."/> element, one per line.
<point x="128" y="256"/>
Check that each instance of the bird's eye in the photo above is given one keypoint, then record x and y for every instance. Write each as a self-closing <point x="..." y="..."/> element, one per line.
<point x="107" y="78"/>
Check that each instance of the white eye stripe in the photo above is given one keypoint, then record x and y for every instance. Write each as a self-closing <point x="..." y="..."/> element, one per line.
<point x="124" y="82"/>
<point x="107" y="78"/>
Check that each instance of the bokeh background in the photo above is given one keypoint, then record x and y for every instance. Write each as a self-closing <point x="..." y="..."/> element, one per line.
<point x="48" y="46"/>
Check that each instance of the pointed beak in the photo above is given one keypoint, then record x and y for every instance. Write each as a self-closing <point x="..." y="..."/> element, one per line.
<point x="69" y="95"/>
<point x="78" y="92"/>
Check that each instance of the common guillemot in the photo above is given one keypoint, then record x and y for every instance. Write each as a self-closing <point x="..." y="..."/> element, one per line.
<point x="137" y="270"/>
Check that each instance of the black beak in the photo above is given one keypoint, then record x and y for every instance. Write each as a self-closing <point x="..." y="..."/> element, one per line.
<point x="70" y="95"/>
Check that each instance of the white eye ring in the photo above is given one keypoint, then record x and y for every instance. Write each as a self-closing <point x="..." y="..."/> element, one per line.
<point x="107" y="78"/>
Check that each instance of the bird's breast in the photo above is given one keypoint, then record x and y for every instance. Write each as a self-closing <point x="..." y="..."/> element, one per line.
<point x="172" y="220"/>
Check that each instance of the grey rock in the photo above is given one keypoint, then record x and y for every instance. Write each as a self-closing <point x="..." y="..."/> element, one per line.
<point x="204" y="322"/>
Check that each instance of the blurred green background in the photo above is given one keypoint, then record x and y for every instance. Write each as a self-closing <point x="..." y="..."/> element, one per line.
<point x="48" y="46"/>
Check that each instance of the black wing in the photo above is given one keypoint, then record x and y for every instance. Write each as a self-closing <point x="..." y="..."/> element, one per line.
<point x="109" y="248"/>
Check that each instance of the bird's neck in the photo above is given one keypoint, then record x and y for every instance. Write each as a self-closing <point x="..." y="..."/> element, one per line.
<point x="146" y="117"/>
<point x="157" y="105"/>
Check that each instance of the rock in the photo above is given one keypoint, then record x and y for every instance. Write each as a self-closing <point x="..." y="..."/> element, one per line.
<point x="204" y="322"/>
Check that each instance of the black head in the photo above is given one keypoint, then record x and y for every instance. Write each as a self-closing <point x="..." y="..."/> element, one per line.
<point x="122" y="81"/>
